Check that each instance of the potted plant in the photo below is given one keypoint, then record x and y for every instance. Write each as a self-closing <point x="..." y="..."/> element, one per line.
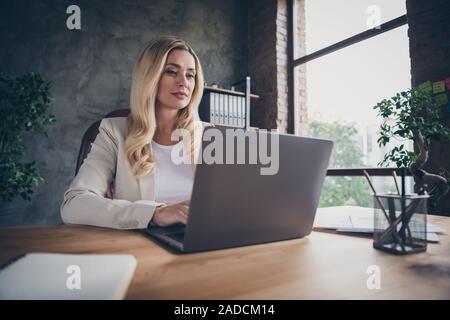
<point x="24" y="101"/>
<point x="414" y="115"/>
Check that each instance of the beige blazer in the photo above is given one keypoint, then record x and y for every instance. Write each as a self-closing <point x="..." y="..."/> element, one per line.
<point x="134" y="199"/>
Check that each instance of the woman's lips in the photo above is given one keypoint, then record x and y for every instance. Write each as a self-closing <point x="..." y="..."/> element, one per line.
<point x="180" y="96"/>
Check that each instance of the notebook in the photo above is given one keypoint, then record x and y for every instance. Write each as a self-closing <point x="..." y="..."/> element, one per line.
<point x="67" y="276"/>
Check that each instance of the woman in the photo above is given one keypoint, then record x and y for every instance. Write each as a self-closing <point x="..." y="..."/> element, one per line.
<point x="135" y="152"/>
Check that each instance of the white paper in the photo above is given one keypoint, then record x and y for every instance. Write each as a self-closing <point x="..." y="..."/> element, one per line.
<point x="358" y="220"/>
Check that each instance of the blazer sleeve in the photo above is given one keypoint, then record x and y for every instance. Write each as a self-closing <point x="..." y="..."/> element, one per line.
<point x="84" y="201"/>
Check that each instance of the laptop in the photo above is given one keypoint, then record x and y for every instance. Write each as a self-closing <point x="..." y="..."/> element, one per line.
<point x="233" y="204"/>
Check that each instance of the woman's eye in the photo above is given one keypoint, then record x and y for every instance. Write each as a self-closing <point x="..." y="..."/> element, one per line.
<point x="174" y="73"/>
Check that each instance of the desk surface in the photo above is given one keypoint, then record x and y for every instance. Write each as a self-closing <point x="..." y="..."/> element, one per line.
<point x="320" y="266"/>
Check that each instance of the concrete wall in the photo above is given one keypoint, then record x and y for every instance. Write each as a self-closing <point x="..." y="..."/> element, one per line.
<point x="91" y="70"/>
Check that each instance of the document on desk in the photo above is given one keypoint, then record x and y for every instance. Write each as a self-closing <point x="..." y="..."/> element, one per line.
<point x="358" y="220"/>
<point x="67" y="276"/>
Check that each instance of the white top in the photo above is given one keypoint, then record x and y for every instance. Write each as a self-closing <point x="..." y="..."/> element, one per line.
<point x="173" y="182"/>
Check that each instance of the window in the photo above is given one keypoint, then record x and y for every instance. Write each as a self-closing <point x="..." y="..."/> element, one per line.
<point x="343" y="87"/>
<point x="345" y="82"/>
<point x="330" y="21"/>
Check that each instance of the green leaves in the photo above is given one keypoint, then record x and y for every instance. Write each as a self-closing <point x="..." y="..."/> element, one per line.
<point x="345" y="152"/>
<point x="24" y="102"/>
<point x="338" y="190"/>
<point x="398" y="155"/>
<point x="409" y="112"/>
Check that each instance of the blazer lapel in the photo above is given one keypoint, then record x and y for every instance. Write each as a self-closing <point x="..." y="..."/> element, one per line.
<point x="147" y="187"/>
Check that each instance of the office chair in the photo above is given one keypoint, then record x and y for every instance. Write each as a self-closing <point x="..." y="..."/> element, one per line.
<point x="89" y="137"/>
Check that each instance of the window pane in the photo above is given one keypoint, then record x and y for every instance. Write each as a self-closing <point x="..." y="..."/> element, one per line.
<point x="342" y="89"/>
<point x="355" y="191"/>
<point x="331" y="21"/>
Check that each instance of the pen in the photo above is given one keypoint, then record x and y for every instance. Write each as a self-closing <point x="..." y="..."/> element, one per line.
<point x="386" y="232"/>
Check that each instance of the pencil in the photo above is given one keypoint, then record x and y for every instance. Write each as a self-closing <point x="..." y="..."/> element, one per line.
<point x="403" y="181"/>
<point x="375" y="194"/>
<point x="395" y="180"/>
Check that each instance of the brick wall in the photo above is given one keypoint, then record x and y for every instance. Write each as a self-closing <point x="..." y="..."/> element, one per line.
<point x="301" y="70"/>
<point x="268" y="64"/>
<point x="429" y="38"/>
<point x="262" y="62"/>
<point x="281" y="62"/>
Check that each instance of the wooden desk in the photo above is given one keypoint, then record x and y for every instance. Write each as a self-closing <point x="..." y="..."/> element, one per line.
<point x="320" y="266"/>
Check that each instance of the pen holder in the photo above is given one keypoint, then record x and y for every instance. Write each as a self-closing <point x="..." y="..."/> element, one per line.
<point x="400" y="223"/>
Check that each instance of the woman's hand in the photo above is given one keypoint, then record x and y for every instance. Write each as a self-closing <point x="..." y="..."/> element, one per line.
<point x="167" y="215"/>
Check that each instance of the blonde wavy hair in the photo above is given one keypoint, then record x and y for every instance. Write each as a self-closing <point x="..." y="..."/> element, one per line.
<point x="147" y="72"/>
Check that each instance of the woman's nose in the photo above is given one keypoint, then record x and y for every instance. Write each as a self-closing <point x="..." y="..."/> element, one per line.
<point x="183" y="81"/>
